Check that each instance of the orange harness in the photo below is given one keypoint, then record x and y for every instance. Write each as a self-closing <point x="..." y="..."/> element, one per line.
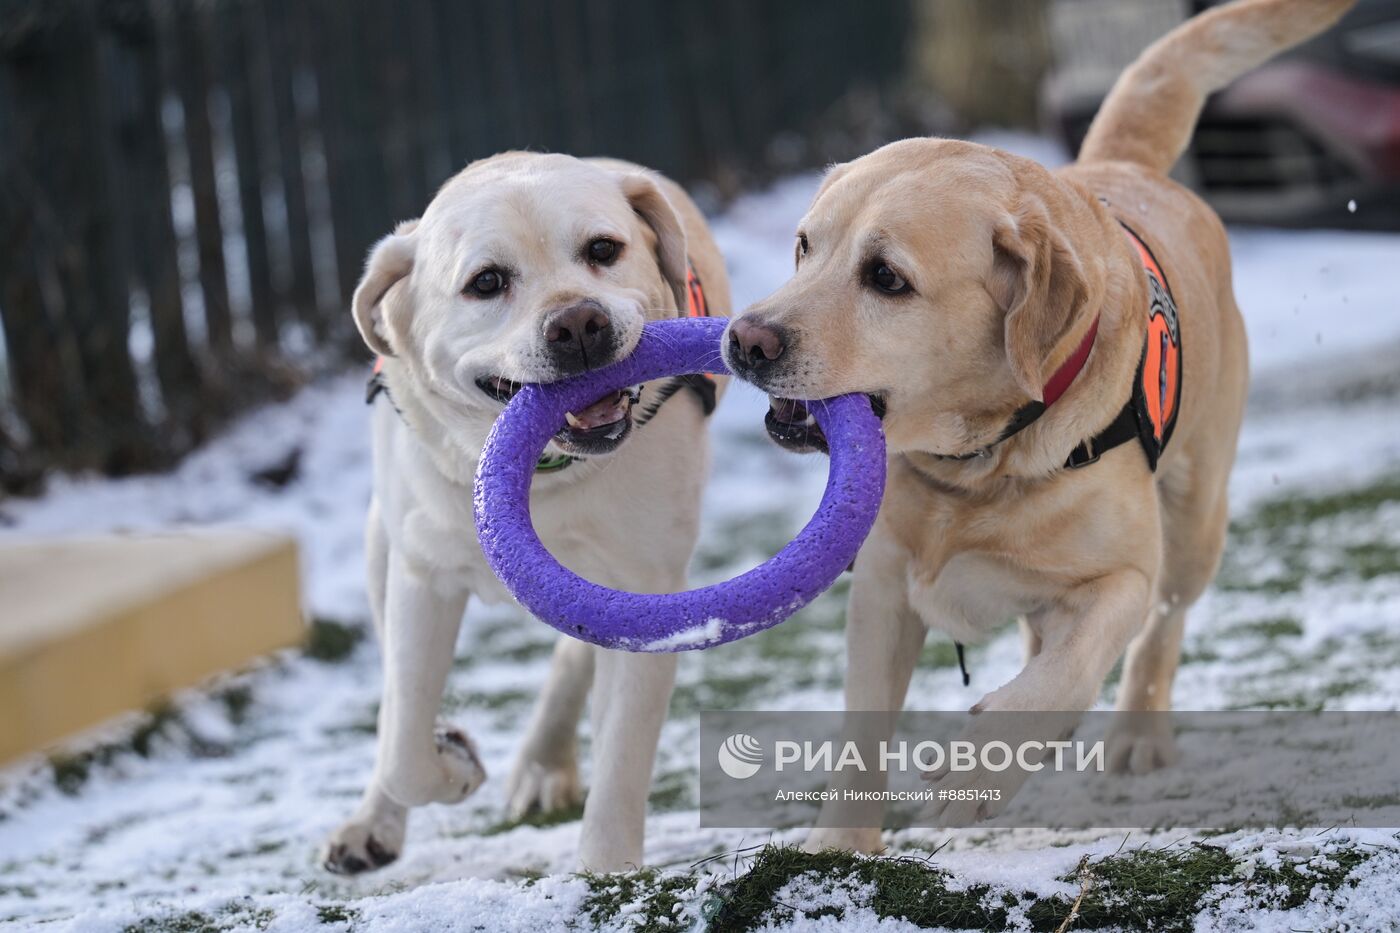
<point x="1149" y="415"/>
<point x="695" y="303"/>
<point x="702" y="384"/>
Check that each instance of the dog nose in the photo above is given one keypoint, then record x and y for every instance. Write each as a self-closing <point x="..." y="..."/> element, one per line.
<point x="579" y="336"/>
<point x="755" y="344"/>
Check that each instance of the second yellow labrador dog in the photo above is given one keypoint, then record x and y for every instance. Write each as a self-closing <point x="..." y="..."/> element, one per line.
<point x="1063" y="372"/>
<point x="528" y="267"/>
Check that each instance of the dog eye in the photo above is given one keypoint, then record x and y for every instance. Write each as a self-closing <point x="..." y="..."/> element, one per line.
<point x="487" y="283"/>
<point x="604" y="251"/>
<point x="887" y="280"/>
<point x="801" y="248"/>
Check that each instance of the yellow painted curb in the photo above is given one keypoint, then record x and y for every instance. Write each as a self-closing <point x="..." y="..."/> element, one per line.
<point x="92" y="627"/>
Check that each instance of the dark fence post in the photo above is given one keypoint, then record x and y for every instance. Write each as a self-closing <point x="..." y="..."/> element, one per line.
<point x="236" y="64"/>
<point x="354" y="169"/>
<point x="420" y="39"/>
<point x="471" y="131"/>
<point x="42" y="353"/>
<point x="153" y="251"/>
<point x="193" y="76"/>
<point x="57" y="106"/>
<point x="387" y="97"/>
<point x="570" y="93"/>
<point x="286" y="56"/>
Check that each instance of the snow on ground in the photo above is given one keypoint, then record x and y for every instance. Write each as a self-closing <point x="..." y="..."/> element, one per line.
<point x="209" y="815"/>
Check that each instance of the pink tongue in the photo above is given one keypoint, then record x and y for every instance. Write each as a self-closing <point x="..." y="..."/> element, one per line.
<point x="606" y="410"/>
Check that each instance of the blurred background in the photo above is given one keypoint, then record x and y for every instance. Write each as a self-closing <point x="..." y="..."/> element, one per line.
<point x="188" y="187"/>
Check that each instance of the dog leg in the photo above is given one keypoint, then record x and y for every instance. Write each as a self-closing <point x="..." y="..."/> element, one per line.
<point x="545" y="776"/>
<point x="376" y="567"/>
<point x="630" y="701"/>
<point x="1141" y="738"/>
<point x="420" y="759"/>
<point x="1081" y="639"/>
<point x="373" y="836"/>
<point x="1030" y="640"/>
<point x="883" y="639"/>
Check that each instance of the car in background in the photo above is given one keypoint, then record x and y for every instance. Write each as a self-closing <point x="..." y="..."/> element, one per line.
<point x="1309" y="139"/>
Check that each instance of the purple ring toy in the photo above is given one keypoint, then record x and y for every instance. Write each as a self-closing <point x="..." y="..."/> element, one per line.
<point x="700" y="618"/>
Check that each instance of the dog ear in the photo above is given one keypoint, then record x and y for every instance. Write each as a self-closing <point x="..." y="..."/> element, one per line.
<point x="1039" y="283"/>
<point x="389" y="262"/>
<point x="651" y="205"/>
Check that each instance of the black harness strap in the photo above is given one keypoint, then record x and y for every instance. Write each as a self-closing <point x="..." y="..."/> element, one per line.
<point x="377" y="386"/>
<point x="1122" y="429"/>
<point x="701" y="385"/>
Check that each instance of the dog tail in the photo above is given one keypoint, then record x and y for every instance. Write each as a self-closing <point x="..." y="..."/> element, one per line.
<point x="1151" y="112"/>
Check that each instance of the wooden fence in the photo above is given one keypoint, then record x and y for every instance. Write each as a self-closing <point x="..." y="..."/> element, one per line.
<point x="188" y="187"/>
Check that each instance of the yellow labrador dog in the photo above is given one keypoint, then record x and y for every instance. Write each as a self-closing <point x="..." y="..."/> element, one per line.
<point x="528" y="268"/>
<point x="1062" y="369"/>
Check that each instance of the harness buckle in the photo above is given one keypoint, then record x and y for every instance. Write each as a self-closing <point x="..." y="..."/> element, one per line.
<point x="1084" y="455"/>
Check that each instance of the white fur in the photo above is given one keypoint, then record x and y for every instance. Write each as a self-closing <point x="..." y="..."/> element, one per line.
<point x="627" y="520"/>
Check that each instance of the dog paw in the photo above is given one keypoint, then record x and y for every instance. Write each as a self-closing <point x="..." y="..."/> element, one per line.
<point x="823" y="838"/>
<point x="462" y="770"/>
<point x="538" y="788"/>
<point x="450" y="775"/>
<point x="966" y="798"/>
<point x="1139" y="745"/>
<point x="364" y="845"/>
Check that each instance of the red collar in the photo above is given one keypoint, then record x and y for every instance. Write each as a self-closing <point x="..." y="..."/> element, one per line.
<point x="1070" y="368"/>
<point x="1055" y="387"/>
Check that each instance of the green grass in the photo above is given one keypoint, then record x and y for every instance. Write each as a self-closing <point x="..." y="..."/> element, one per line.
<point x="238" y="701"/>
<point x="660" y="898"/>
<point x="1295" y="511"/>
<point x="194" y="921"/>
<point x="908" y="888"/>
<point x="760" y="533"/>
<point x="1145" y="889"/>
<point x="477" y="700"/>
<point x="1269" y="629"/>
<point x="717" y="690"/>
<point x="535" y="818"/>
<point x="331" y="641"/>
<point x="1287" y="542"/>
<point x="336" y="913"/>
<point x="189" y="922"/>
<point x="674" y="790"/>
<point x="1276" y="550"/>
<point x="71" y="769"/>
